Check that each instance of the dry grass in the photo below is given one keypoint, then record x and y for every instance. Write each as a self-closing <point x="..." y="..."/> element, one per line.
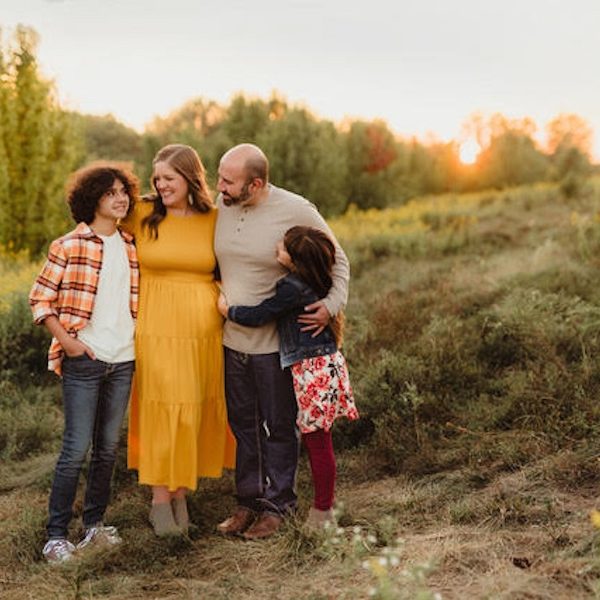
<point x="521" y="536"/>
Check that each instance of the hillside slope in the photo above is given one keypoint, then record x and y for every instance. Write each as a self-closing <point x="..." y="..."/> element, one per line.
<point x="473" y="341"/>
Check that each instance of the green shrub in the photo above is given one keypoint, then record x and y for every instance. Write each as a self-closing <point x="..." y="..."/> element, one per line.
<point x="23" y="345"/>
<point x="23" y="542"/>
<point x="437" y="360"/>
<point x="30" y="422"/>
<point x="572" y="185"/>
<point x="532" y="326"/>
<point x="399" y="417"/>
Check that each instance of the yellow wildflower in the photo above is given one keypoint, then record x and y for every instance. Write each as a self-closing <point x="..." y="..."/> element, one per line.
<point x="595" y="518"/>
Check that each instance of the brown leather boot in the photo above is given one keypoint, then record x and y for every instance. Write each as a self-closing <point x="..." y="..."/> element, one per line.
<point x="238" y="522"/>
<point x="266" y="525"/>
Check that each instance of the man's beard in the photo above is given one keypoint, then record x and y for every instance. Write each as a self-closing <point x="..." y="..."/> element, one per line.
<point x="241" y="197"/>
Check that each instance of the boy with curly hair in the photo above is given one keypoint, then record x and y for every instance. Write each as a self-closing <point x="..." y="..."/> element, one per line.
<point x="86" y="295"/>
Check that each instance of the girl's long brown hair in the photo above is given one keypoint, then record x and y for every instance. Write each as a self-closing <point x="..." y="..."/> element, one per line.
<point x="185" y="160"/>
<point x="313" y="255"/>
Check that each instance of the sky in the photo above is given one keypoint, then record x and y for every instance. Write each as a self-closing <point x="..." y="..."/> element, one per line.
<point x="423" y="66"/>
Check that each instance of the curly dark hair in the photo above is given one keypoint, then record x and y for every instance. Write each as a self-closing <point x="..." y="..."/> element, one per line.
<point x="87" y="185"/>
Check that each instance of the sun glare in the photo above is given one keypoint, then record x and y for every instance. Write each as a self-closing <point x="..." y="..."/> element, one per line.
<point x="468" y="152"/>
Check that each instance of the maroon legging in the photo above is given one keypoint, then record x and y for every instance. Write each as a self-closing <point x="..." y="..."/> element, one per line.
<point x="319" y="446"/>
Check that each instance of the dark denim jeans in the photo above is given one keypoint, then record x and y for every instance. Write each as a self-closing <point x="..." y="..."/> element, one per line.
<point x="95" y="396"/>
<point x="262" y="409"/>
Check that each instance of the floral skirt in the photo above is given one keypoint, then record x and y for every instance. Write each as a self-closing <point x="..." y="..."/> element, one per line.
<point x="323" y="392"/>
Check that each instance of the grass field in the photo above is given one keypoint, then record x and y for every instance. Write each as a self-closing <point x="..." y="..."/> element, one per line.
<point x="474" y="346"/>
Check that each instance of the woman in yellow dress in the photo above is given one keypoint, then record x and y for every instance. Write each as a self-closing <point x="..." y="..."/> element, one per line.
<point x="178" y="428"/>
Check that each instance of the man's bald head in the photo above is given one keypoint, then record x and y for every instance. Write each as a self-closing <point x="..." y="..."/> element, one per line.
<point x="251" y="159"/>
<point x="243" y="175"/>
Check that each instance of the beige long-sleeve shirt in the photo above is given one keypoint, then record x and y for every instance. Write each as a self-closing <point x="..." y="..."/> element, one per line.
<point x="245" y="246"/>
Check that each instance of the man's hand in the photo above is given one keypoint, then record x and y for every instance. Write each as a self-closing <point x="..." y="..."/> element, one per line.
<point x="316" y="317"/>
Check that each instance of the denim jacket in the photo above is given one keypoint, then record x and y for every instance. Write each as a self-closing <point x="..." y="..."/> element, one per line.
<point x="291" y="296"/>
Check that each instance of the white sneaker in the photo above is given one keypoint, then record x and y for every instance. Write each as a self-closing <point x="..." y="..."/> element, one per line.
<point x="101" y="536"/>
<point x="58" y="550"/>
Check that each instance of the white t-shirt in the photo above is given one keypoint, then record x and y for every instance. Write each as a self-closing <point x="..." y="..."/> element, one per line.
<point x="109" y="332"/>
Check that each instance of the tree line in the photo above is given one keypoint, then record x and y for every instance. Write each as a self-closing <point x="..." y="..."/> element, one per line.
<point x="356" y="162"/>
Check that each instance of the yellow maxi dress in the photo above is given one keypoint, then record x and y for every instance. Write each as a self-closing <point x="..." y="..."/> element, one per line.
<point x="178" y="428"/>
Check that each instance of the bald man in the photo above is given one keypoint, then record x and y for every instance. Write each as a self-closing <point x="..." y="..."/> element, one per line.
<point x="253" y="217"/>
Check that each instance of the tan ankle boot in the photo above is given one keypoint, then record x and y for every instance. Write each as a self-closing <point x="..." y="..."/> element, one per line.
<point x="319" y="519"/>
<point x="180" y="512"/>
<point x="163" y="521"/>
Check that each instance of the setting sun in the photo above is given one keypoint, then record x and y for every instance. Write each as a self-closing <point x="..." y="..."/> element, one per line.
<point x="469" y="151"/>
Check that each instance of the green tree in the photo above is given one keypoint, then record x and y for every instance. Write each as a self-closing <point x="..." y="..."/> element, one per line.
<point x="567" y="129"/>
<point x="245" y="119"/>
<point x="378" y="166"/>
<point x="6" y="126"/>
<point x="198" y="123"/>
<point x="509" y="154"/>
<point x="512" y="159"/>
<point x="37" y="150"/>
<point x="443" y="173"/>
<point x="105" y="138"/>
<point x="569" y="140"/>
<point x="307" y="156"/>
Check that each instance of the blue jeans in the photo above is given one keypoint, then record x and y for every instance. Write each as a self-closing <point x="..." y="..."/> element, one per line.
<point x="261" y="408"/>
<point x="95" y="396"/>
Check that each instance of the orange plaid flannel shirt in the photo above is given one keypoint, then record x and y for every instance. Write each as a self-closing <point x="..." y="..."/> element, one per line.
<point x="67" y="284"/>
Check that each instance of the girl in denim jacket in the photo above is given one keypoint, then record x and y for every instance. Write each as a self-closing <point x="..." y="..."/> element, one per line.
<point x="319" y="370"/>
